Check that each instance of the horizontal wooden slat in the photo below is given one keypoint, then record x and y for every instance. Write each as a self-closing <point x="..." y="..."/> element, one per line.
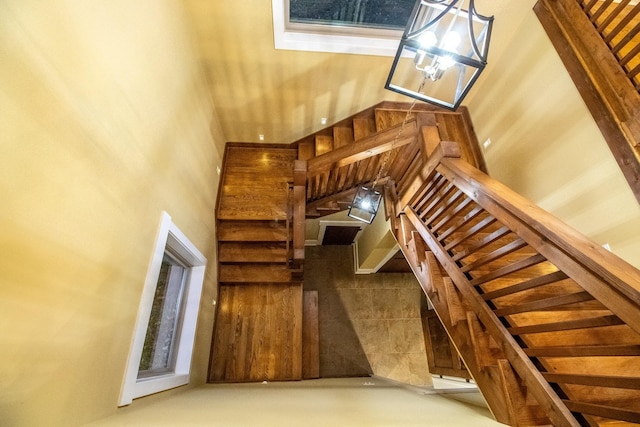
<point x="545" y="304"/>
<point x="591" y="322"/>
<point x="452" y="215"/>
<point x="486" y="240"/>
<point x="508" y="269"/>
<point x="498" y="253"/>
<point x="467" y="234"/>
<point x="593" y="380"/>
<point x="604" y="411"/>
<point x="584" y="351"/>
<point x="523" y="286"/>
<point x="441" y="202"/>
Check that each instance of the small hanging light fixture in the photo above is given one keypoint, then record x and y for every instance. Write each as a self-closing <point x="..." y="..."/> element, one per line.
<point x="449" y="47"/>
<point x="367" y="200"/>
<point x="365" y="204"/>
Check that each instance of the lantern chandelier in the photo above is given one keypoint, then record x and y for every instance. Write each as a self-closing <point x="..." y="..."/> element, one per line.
<point x="449" y="47"/>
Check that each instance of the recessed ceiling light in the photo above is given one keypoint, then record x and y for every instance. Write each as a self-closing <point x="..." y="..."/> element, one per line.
<point x="323" y="121"/>
<point x="487" y="143"/>
<point x="261" y="137"/>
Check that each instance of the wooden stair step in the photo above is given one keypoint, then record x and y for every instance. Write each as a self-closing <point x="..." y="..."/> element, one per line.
<point x="306" y="150"/>
<point x="363" y="127"/>
<point x="584" y="351"/>
<point x="509" y="269"/>
<point x="604" y="411"/>
<point x="388" y="118"/>
<point x="252" y="231"/>
<point x="324" y="144"/>
<point x="593" y="380"/>
<point x="484" y="223"/>
<point x="342" y="136"/>
<point x="544" y="304"/>
<point x="497" y="254"/>
<point x="272" y="252"/>
<point x="526" y="285"/>
<point x="255" y="273"/>
<point x="486" y="240"/>
<point x="591" y="322"/>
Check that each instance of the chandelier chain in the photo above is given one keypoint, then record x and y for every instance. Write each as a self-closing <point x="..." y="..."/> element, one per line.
<point x="387" y="155"/>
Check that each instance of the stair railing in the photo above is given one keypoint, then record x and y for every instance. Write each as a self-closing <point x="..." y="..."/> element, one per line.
<point x="526" y="274"/>
<point x="599" y="43"/>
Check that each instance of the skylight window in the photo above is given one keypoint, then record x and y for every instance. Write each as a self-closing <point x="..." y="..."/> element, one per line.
<point x="376" y="14"/>
<point x="365" y="27"/>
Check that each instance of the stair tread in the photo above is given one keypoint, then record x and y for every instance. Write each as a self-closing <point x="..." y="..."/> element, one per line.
<point x="255" y="273"/>
<point x="591" y="322"/>
<point x="252" y="252"/>
<point x="584" y="350"/>
<point x="252" y="231"/>
<point x="605" y="411"/>
<point x="546" y="303"/>
<point x="593" y="380"/>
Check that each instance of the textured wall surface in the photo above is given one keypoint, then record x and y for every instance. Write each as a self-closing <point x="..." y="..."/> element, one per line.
<point x="368" y="323"/>
<point x="105" y="123"/>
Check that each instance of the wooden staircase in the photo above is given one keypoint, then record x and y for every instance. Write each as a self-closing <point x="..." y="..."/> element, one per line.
<point x="546" y="321"/>
<point x="349" y="154"/>
<point x="259" y="324"/>
<point x="265" y="194"/>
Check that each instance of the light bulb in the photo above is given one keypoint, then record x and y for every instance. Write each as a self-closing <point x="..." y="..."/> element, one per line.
<point x="451" y="41"/>
<point x="366" y="204"/>
<point x="428" y="39"/>
<point x="445" y="62"/>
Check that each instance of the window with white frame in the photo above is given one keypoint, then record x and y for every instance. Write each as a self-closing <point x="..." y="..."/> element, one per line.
<point x="160" y="354"/>
<point x="368" y="27"/>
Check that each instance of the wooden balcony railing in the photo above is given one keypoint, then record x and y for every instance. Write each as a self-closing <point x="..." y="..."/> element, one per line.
<point x="599" y="44"/>
<point x="536" y="309"/>
<point x="618" y="23"/>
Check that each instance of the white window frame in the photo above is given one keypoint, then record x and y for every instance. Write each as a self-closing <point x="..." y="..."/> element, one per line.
<point x="325" y="38"/>
<point x="169" y="237"/>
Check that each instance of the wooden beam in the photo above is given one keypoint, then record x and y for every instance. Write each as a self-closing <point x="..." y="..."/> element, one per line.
<point x="344" y="197"/>
<point x="365" y="148"/>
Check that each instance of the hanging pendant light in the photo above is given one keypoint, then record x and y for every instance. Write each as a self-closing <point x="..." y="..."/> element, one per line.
<point x="448" y="46"/>
<point x="367" y="200"/>
<point x="365" y="204"/>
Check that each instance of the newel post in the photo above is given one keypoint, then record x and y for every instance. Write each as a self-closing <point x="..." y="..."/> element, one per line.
<point x="299" y="210"/>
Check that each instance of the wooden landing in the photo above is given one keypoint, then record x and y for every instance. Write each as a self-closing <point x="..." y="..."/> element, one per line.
<point x="255" y="183"/>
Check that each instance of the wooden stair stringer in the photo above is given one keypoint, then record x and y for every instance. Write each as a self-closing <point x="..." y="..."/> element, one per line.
<point x="480" y="353"/>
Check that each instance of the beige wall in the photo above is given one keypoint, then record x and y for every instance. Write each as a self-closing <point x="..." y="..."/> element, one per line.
<point x="105" y="122"/>
<point x="547" y="147"/>
<point x="376" y="242"/>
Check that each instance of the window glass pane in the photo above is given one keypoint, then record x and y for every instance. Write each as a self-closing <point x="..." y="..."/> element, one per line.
<point x="160" y="340"/>
<point x="391" y="14"/>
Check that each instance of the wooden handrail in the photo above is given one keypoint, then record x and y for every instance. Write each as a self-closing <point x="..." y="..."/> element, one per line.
<point x="588" y="263"/>
<point x="496" y="246"/>
<point x="370" y="146"/>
